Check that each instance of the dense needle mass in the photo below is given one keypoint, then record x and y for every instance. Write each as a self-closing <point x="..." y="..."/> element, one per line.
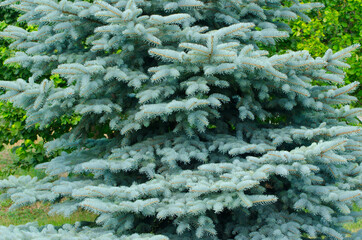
<point x="213" y="138"/>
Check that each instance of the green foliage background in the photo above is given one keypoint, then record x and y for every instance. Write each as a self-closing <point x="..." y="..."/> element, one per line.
<point x="336" y="26"/>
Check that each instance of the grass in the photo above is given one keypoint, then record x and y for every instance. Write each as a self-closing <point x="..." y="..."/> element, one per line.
<point x="39" y="211"/>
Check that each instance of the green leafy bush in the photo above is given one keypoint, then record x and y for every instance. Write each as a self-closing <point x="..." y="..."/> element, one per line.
<point x="336" y="26"/>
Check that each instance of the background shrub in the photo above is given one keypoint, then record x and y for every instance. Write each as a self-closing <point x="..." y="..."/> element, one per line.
<point x="336" y="26"/>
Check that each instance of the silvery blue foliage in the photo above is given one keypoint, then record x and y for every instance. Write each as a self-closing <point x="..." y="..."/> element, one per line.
<point x="214" y="138"/>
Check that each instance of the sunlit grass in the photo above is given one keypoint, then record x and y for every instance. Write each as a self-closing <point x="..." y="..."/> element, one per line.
<point x="39" y="212"/>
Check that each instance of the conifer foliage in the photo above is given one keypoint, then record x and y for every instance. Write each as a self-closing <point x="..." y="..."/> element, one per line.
<point x="213" y="138"/>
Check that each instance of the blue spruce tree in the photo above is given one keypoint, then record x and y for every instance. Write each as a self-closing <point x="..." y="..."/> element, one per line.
<point x="213" y="138"/>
